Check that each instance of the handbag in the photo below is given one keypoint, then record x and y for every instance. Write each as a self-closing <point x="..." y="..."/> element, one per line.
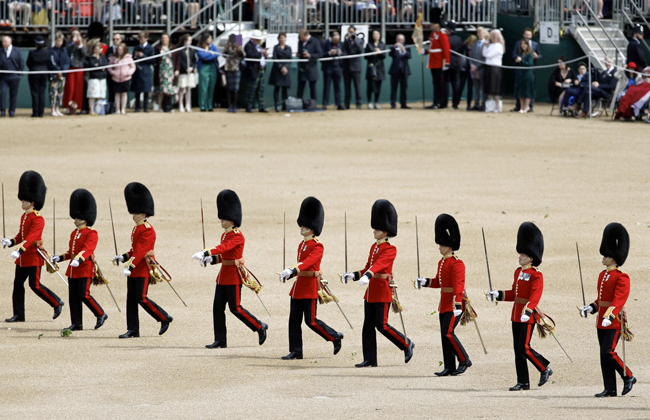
<point x="490" y="105"/>
<point x="195" y="77"/>
<point x="222" y="78"/>
<point x="372" y="71"/>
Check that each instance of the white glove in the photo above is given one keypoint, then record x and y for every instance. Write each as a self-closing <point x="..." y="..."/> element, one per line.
<point x="15" y="255"/>
<point x="423" y="52"/>
<point x="421" y="282"/>
<point x="6" y="242"/>
<point x="74" y="263"/>
<point x="199" y="255"/>
<point x="346" y="277"/>
<point x="492" y="295"/>
<point x="584" y="310"/>
<point x="205" y="261"/>
<point x="606" y="322"/>
<point x="118" y="259"/>
<point x="55" y="259"/>
<point x="525" y="318"/>
<point x="364" y="280"/>
<point x="458" y="312"/>
<point x="286" y="274"/>
<point x="126" y="272"/>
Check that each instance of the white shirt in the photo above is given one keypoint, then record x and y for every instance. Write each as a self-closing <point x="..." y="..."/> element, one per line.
<point x="8" y="50"/>
<point x="493" y="54"/>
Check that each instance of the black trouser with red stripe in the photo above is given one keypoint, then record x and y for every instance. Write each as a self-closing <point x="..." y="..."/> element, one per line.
<point x="18" y="297"/>
<point x="308" y="308"/>
<point x="376" y="316"/>
<point x="232" y="296"/>
<point x="610" y="363"/>
<point x="451" y="346"/>
<point x="136" y="294"/>
<point x="79" y="293"/>
<point x="521" y="334"/>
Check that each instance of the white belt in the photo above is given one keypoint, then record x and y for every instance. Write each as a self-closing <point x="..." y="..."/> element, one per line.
<point x="435" y="51"/>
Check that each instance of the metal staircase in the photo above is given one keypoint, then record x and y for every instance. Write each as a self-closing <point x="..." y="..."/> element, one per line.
<point x="601" y="41"/>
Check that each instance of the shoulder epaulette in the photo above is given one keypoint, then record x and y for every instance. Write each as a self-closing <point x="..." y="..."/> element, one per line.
<point x="316" y="240"/>
<point x="457" y="258"/>
<point x="147" y="225"/>
<point x="235" y="230"/>
<point x="535" y="268"/>
<point x="37" y="213"/>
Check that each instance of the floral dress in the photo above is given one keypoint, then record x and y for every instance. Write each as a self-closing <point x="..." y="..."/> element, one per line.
<point x="166" y="74"/>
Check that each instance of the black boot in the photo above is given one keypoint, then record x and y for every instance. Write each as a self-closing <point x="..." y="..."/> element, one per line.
<point x="15" y="318"/>
<point x="408" y="353"/>
<point x="520" y="387"/>
<point x="164" y="325"/>
<point x="444" y="372"/>
<point x="293" y="355"/>
<point x="628" y="383"/>
<point x="544" y="376"/>
<point x="462" y="367"/>
<point x="235" y="98"/>
<point x="262" y="333"/>
<point x="366" y="363"/>
<point x="606" y="393"/>
<point x="101" y="320"/>
<point x="216" y="345"/>
<point x="130" y="334"/>
<point x="337" y="343"/>
<point x="74" y="327"/>
<point x="58" y="309"/>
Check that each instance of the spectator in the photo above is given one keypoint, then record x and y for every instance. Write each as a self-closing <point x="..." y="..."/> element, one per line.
<point x="580" y="82"/>
<point x="477" y="67"/>
<point x="332" y="70"/>
<point x="207" y="65"/>
<point x="187" y="73"/>
<point x="399" y="71"/>
<point x="25" y="10"/>
<point x="11" y="59"/>
<point x="151" y="11"/>
<point x="256" y="68"/>
<point x="635" y="98"/>
<point x="375" y="73"/>
<point x="121" y="76"/>
<point x="353" y="45"/>
<point x="96" y="78"/>
<point x="106" y="12"/>
<point x="601" y="88"/>
<point x="439" y="58"/>
<point x="493" y="52"/>
<point x="280" y="76"/>
<point x="561" y="79"/>
<point x="466" y="76"/>
<point x="634" y="51"/>
<point x="525" y="81"/>
<point x="73" y="93"/>
<point x="625" y="79"/>
<point x="193" y="6"/>
<point x="457" y="64"/>
<point x="308" y="48"/>
<point x="117" y="40"/>
<point x="235" y="55"/>
<point x="60" y="62"/>
<point x="164" y="71"/>
<point x="142" y="81"/>
<point x="38" y="60"/>
<point x="534" y="47"/>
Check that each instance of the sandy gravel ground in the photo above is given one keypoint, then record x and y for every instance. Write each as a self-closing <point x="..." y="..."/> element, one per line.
<point x="492" y="171"/>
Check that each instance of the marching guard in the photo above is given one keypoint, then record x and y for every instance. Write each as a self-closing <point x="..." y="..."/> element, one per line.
<point x="526" y="293"/>
<point x="31" y="193"/>
<point x="140" y="205"/>
<point x="378" y="276"/>
<point x="81" y="270"/>
<point x="229" y="281"/>
<point x="304" y="293"/>
<point x="450" y="279"/>
<point x="613" y="291"/>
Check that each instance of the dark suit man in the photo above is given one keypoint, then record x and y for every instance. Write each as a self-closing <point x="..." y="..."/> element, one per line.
<point x="457" y="65"/>
<point x="601" y="88"/>
<point x="537" y="54"/>
<point x="38" y="60"/>
<point x="332" y="69"/>
<point x="353" y="45"/>
<point x="10" y="59"/>
<point x="399" y="71"/>
<point x="478" y="69"/>
<point x="308" y="48"/>
<point x="255" y="70"/>
<point x="634" y="50"/>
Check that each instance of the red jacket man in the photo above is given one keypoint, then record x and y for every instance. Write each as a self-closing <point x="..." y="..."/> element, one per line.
<point x="439" y="58"/>
<point x="378" y="275"/>
<point x="613" y="292"/>
<point x="304" y="293"/>
<point x="31" y="192"/>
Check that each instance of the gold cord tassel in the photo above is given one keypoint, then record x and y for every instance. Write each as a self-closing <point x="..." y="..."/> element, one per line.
<point x="625" y="326"/>
<point x="98" y="278"/>
<point x="248" y="280"/>
<point x="469" y="314"/>
<point x="544" y="327"/>
<point x="397" y="308"/>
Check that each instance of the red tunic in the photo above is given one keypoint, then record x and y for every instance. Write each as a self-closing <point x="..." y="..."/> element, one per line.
<point x="528" y="286"/>
<point x="82" y="245"/>
<point x="451" y="275"/>
<point x="231" y="248"/>
<point x="31" y="230"/>
<point x="613" y="290"/>
<point x="438" y="50"/>
<point x="380" y="261"/>
<point x="310" y="254"/>
<point x="143" y="239"/>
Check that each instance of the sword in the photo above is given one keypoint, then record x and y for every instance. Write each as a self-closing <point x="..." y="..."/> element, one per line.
<point x="408" y="342"/>
<point x="479" y="336"/>
<point x="562" y="347"/>
<point x="488" y="265"/>
<point x="54" y="225"/>
<point x="582" y="285"/>
<point x="99" y="270"/>
<point x="4" y="235"/>
<point x="179" y="296"/>
<point x="202" y="224"/>
<point x="284" y="242"/>
<point x="47" y="261"/>
<point x="417" y="249"/>
<point x="326" y="286"/>
<point x="345" y="224"/>
<point x="624" y="329"/>
<point x="115" y="262"/>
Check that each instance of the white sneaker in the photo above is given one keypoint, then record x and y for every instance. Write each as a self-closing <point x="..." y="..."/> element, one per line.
<point x="188" y="109"/>
<point x="59" y="113"/>
<point x="371" y="106"/>
<point x="181" y="109"/>
<point x="377" y="106"/>
<point x="54" y="114"/>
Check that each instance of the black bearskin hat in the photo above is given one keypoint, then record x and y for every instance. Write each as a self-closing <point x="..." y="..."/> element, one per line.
<point x="312" y="215"/>
<point x="95" y="30"/>
<point x="229" y="207"/>
<point x="83" y="206"/>
<point x="530" y="242"/>
<point x="384" y="217"/>
<point x="31" y="187"/>
<point x="615" y="243"/>
<point x="435" y="15"/>
<point x="138" y="199"/>
<point x="447" y="232"/>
